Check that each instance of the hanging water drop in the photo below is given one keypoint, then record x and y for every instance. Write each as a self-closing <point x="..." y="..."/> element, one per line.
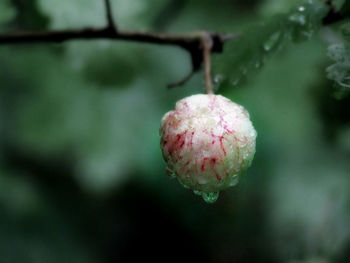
<point x="218" y="80"/>
<point x="170" y="173"/>
<point x="196" y="192"/>
<point x="210" y="197"/>
<point x="234" y="180"/>
<point x="185" y="185"/>
<point x="202" y="180"/>
<point x="235" y="82"/>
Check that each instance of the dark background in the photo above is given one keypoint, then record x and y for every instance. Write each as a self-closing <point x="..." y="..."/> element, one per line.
<point x="81" y="173"/>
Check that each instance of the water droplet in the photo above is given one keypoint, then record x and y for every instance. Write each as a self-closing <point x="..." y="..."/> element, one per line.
<point x="308" y="34"/>
<point x="345" y="82"/>
<point x="298" y="19"/>
<point x="202" y="180"/>
<point x="210" y="197"/>
<point x="245" y="155"/>
<point x="197" y="192"/>
<point x="301" y="8"/>
<point x="218" y="79"/>
<point x="184" y="185"/>
<point x="170" y="173"/>
<point x="272" y="41"/>
<point x="257" y="64"/>
<point x="234" y="181"/>
<point x="235" y="81"/>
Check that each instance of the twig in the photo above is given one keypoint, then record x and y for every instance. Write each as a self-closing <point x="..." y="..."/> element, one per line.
<point x="183" y="81"/>
<point x="109" y="15"/>
<point x="200" y="45"/>
<point x="192" y="42"/>
<point x="188" y="41"/>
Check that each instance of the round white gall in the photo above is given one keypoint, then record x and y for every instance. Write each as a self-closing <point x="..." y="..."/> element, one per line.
<point x="207" y="142"/>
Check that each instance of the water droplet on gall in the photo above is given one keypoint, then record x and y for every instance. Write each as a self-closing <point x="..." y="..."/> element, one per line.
<point x="202" y="181"/>
<point x="210" y="197"/>
<point x="197" y="192"/>
<point x="234" y="180"/>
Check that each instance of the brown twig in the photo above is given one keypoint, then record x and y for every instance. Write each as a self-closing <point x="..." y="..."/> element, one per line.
<point x="200" y="45"/>
<point x="182" y="81"/>
<point x="109" y="15"/>
<point x="192" y="42"/>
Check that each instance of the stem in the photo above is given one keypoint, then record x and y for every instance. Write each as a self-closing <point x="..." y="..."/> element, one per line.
<point x="207" y="44"/>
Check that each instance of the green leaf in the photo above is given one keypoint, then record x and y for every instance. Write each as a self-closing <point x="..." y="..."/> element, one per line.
<point x="261" y="41"/>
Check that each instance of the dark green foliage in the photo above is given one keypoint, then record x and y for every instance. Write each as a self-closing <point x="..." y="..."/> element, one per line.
<point x="262" y="40"/>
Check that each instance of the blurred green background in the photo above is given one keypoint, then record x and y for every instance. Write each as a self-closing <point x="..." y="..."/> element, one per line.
<point x="81" y="173"/>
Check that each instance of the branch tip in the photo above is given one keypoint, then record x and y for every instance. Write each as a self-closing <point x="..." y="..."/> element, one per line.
<point x="109" y="15"/>
<point x="183" y="81"/>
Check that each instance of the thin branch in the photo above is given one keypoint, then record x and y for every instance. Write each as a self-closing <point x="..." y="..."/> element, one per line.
<point x="198" y="44"/>
<point x="109" y="15"/>
<point x="192" y="42"/>
<point x="182" y="81"/>
<point x="187" y="40"/>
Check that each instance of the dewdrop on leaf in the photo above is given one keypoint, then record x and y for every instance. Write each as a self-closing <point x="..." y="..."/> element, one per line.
<point x="208" y="141"/>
